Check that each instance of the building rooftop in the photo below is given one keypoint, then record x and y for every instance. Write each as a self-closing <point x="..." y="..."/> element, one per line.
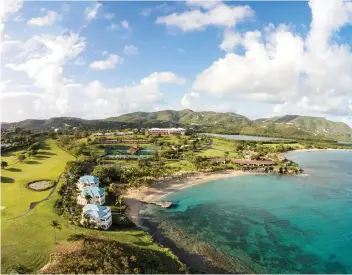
<point x="170" y="129"/>
<point x="97" y="211"/>
<point x="93" y="191"/>
<point x="89" y="179"/>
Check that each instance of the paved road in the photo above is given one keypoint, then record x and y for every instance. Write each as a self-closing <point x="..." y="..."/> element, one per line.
<point x="32" y="205"/>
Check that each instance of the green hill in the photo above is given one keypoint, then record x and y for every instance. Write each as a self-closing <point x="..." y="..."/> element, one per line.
<point x="316" y="126"/>
<point x="285" y="126"/>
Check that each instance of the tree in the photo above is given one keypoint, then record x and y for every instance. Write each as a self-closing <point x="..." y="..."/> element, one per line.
<point x="88" y="198"/>
<point x="119" y="202"/>
<point x="34" y="152"/>
<point x="29" y="154"/>
<point x="56" y="226"/>
<point x="21" y="157"/>
<point x="3" y="164"/>
<point x="226" y="154"/>
<point x="20" y="269"/>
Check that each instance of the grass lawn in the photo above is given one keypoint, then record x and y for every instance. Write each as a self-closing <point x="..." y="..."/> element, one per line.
<point x="218" y="148"/>
<point x="30" y="240"/>
<point x="48" y="164"/>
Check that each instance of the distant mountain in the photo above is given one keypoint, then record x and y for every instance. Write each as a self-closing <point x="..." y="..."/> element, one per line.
<point x="184" y="117"/>
<point x="285" y="126"/>
<point x="313" y="125"/>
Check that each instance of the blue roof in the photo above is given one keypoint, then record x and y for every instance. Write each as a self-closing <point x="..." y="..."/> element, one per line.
<point x="89" y="179"/>
<point x="93" y="191"/>
<point x="97" y="211"/>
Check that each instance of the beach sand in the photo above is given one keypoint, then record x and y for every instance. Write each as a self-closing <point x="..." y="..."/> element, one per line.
<point x="135" y="199"/>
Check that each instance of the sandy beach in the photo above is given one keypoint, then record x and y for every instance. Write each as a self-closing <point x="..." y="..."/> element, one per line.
<point x="135" y="198"/>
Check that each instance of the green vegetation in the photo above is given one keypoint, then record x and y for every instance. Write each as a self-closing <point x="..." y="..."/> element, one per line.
<point x="29" y="240"/>
<point x="210" y="122"/>
<point x="49" y="163"/>
<point x="86" y="254"/>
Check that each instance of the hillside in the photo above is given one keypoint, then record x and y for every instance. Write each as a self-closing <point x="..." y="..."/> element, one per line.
<point x="312" y="125"/>
<point x="184" y="117"/>
<point x="285" y="126"/>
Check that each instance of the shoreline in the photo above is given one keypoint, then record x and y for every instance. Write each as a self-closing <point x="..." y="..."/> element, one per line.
<point x="316" y="149"/>
<point x="135" y="199"/>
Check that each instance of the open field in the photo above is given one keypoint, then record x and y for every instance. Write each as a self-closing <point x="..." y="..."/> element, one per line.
<point x="48" y="164"/>
<point x="30" y="240"/>
<point x="218" y="148"/>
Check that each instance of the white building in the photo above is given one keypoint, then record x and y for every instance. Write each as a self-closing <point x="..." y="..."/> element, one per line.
<point x="167" y="131"/>
<point x="96" y="195"/>
<point x="98" y="216"/>
<point x="87" y="181"/>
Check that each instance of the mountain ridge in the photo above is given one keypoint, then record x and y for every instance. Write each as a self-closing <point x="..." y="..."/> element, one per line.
<point x="207" y="120"/>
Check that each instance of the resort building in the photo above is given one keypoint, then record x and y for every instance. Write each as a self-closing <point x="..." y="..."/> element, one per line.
<point x="133" y="150"/>
<point x="97" y="215"/>
<point x="91" y="195"/>
<point x="167" y="131"/>
<point x="87" y="181"/>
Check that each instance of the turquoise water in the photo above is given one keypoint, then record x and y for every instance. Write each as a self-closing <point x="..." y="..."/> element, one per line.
<point x="268" y="223"/>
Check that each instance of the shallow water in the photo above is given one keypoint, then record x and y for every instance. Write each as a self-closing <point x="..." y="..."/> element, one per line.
<point x="269" y="223"/>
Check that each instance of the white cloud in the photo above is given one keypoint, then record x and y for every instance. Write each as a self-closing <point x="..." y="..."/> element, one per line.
<point x="125" y="24"/>
<point x="131" y="50"/>
<point x="92" y="11"/>
<point x="230" y="41"/>
<point x="312" y="75"/>
<point x="84" y="100"/>
<point x="189" y="100"/>
<point x="109" y="16"/>
<point x="163" y="78"/>
<point x="8" y="8"/>
<point x="146" y="11"/>
<point x="112" y="27"/>
<point x="45" y="20"/>
<point x="110" y="63"/>
<point x="216" y="14"/>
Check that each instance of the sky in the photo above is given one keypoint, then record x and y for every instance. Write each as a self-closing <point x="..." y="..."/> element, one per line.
<point x="102" y="59"/>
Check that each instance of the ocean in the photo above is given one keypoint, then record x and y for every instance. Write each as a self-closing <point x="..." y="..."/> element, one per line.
<point x="264" y="223"/>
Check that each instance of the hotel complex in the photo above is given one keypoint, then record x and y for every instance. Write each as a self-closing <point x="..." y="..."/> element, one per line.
<point x="167" y="131"/>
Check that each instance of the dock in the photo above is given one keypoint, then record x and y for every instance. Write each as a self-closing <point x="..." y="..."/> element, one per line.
<point x="163" y="204"/>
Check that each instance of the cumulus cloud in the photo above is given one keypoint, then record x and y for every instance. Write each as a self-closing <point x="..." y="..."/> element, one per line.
<point x="43" y="60"/>
<point x="131" y="50"/>
<point x="45" y="20"/>
<point x="125" y="24"/>
<point x="312" y="74"/>
<point x="109" y="63"/>
<point x="146" y="11"/>
<point x="91" y="100"/>
<point x="189" y="100"/>
<point x="92" y="11"/>
<point x="8" y="8"/>
<point x="215" y="13"/>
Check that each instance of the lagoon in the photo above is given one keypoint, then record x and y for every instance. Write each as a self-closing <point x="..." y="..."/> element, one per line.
<point x="266" y="223"/>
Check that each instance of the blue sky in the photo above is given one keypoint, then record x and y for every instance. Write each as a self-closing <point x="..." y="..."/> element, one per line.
<point x="101" y="59"/>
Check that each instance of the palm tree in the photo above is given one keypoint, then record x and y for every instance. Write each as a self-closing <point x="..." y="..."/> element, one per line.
<point x="55" y="225"/>
<point x="119" y="202"/>
<point x="226" y="154"/>
<point x="88" y="198"/>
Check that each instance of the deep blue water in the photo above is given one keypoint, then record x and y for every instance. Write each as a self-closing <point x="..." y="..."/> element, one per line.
<point x="244" y="137"/>
<point x="269" y="223"/>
